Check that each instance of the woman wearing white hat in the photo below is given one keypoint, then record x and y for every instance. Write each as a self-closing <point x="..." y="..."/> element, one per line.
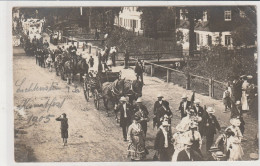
<point x="177" y="139"/>
<point x="195" y="137"/>
<point x="136" y="138"/>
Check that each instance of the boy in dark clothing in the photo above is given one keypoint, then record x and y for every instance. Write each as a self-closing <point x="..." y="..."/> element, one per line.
<point x="64" y="127"/>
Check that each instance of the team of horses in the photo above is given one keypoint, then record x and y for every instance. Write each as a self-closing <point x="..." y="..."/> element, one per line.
<point x="68" y="66"/>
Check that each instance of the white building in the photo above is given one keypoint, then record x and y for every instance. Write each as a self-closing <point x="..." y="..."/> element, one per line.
<point x="130" y="19"/>
<point x="207" y="35"/>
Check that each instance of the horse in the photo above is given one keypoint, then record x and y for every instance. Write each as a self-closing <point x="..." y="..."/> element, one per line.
<point x="80" y="66"/>
<point x="132" y="89"/>
<point x="112" y="91"/>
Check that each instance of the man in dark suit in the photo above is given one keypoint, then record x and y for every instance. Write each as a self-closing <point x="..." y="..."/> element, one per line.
<point x="125" y="116"/>
<point x="200" y="112"/>
<point x="237" y="89"/>
<point x="139" y="70"/>
<point x="188" y="154"/>
<point x="184" y="105"/>
<point x="162" y="143"/>
<point x="210" y="125"/>
<point x="157" y="105"/>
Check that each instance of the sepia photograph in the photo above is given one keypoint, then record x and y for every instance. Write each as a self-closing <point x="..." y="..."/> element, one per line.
<point x="135" y="83"/>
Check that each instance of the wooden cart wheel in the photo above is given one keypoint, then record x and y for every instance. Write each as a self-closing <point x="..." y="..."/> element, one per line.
<point x="96" y="99"/>
<point x="86" y="91"/>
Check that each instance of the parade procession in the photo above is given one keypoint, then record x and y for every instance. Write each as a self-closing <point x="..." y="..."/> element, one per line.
<point x="91" y="77"/>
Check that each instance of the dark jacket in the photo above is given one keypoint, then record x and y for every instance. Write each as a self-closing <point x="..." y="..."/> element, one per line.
<point x="200" y="111"/>
<point x="129" y="113"/>
<point x="157" y="105"/>
<point x="237" y="90"/>
<point x="64" y="123"/>
<point x="159" y="140"/>
<point x="162" y="111"/>
<point x="194" y="156"/>
<point x="213" y="124"/>
<point x="182" y="109"/>
<point x="138" y="69"/>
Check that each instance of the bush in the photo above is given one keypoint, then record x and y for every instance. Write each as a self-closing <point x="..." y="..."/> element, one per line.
<point x="222" y="64"/>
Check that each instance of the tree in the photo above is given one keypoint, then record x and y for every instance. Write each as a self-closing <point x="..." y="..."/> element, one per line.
<point x="193" y="14"/>
<point x="150" y="17"/>
<point x="246" y="33"/>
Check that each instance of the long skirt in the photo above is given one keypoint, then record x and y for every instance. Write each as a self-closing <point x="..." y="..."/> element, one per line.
<point x="236" y="153"/>
<point x="244" y="101"/>
<point x="136" y="150"/>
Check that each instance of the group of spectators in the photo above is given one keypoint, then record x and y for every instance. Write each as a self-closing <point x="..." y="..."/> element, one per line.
<point x="241" y="96"/>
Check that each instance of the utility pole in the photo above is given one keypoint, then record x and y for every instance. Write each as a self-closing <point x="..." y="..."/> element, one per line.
<point x="89" y="19"/>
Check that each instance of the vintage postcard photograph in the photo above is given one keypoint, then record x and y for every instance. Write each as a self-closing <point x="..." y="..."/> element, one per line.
<point x="135" y="83"/>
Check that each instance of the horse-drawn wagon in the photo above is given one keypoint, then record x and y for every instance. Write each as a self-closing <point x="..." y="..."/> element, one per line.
<point x="95" y="82"/>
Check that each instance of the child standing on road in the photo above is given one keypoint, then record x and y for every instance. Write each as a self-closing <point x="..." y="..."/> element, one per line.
<point x="64" y="127"/>
<point x="227" y="100"/>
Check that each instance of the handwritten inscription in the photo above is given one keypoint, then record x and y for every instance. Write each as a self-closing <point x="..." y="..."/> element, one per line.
<point x="34" y="119"/>
<point x="49" y="103"/>
<point x="35" y="87"/>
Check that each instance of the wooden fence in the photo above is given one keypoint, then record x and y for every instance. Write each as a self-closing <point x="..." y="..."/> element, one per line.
<point x="206" y="86"/>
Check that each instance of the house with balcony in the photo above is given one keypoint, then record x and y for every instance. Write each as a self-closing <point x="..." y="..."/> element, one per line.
<point x="130" y="19"/>
<point x="213" y="28"/>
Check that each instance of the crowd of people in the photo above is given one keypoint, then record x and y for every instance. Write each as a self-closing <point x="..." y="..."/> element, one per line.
<point x="185" y="144"/>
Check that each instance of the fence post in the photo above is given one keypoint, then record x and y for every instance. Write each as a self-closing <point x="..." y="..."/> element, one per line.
<point x="89" y="50"/>
<point x="210" y="87"/>
<point x="67" y="41"/>
<point x="168" y="75"/>
<point x="83" y="46"/>
<point x="152" y="70"/>
<point x="77" y="44"/>
<point x="188" y="81"/>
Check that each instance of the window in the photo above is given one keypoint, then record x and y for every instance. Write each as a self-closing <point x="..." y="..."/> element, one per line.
<point x="228" y="40"/>
<point x="242" y="14"/>
<point x="205" y="15"/>
<point x="182" y="15"/>
<point x="197" y="38"/>
<point x="227" y="15"/>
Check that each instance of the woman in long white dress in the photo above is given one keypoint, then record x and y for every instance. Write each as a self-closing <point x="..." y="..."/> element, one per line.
<point x="178" y="142"/>
<point x="244" y="101"/>
<point x="234" y="141"/>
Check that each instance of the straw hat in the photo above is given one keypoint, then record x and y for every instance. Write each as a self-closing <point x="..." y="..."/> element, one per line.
<point x="238" y="102"/>
<point x="165" y="123"/>
<point x="254" y="156"/>
<point x="197" y="101"/>
<point x="210" y="110"/>
<point x="139" y="100"/>
<point x="249" y="77"/>
<point x="159" y="96"/>
<point x="235" y="122"/>
<point x="123" y="99"/>
<point x="184" y="96"/>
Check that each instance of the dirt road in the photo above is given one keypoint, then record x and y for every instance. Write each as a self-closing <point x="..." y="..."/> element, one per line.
<point x="92" y="135"/>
